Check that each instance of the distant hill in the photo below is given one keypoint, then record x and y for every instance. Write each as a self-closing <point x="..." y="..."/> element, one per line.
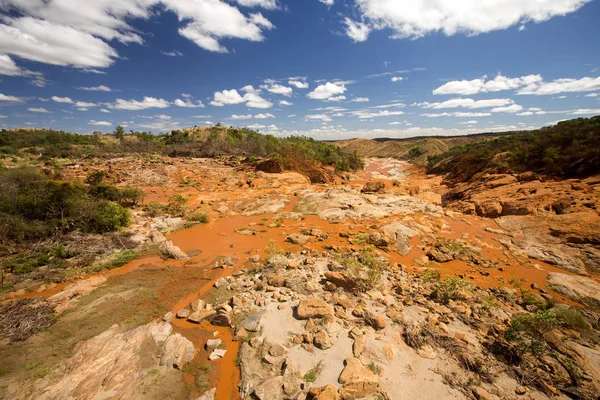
<point x="415" y="150"/>
<point x="568" y="149"/>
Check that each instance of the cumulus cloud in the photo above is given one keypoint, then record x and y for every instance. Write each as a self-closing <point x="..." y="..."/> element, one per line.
<point x="327" y="2"/>
<point x="10" y="99"/>
<point x="360" y="100"/>
<point x="467" y="103"/>
<point x="482" y="85"/>
<point x="298" y="84"/>
<point x="328" y="91"/>
<point x="147" y="102"/>
<point x="264" y="116"/>
<point x="61" y="32"/>
<point x="318" y="117"/>
<point x="397" y="79"/>
<point x="279" y="89"/>
<point x="252" y="98"/>
<point x="237" y="117"/>
<point x="566" y="85"/>
<point x="357" y="31"/>
<point x="38" y="110"/>
<point x="100" y="123"/>
<point x="586" y="111"/>
<point x="100" y="88"/>
<point x="62" y="99"/>
<point x="513" y="108"/>
<point x="285" y="103"/>
<point x="592" y="95"/>
<point x="226" y="97"/>
<point x="417" y="18"/>
<point x="187" y="103"/>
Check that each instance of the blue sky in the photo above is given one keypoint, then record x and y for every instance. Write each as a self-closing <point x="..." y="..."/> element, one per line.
<point x="323" y="68"/>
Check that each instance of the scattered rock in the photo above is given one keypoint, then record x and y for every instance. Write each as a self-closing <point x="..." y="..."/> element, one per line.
<point x="177" y="351"/>
<point x="314" y="308"/>
<point x="358" y="381"/>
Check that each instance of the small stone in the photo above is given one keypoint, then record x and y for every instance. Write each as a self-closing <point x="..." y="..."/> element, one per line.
<point x="183" y="313"/>
<point x="257" y="341"/>
<point x="212" y="344"/>
<point x="314" y="308"/>
<point x="322" y="340"/>
<point x="221" y="282"/>
<point x="241" y="335"/>
<point x="200" y="315"/>
<point x="216" y="354"/>
<point x="277" y="350"/>
<point x="197" y="305"/>
<point x="328" y="392"/>
<point x="377" y="322"/>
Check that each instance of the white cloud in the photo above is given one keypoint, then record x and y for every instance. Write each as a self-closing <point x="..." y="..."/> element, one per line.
<point x="285" y="103"/>
<point x="592" y="95"/>
<point x="11" y="99"/>
<point x="100" y="88"/>
<point x="525" y="114"/>
<point x="457" y="114"/>
<point x="357" y="31"/>
<point x="268" y="4"/>
<point x="237" y="117"/>
<point x="417" y="18"/>
<point x="62" y="99"/>
<point x="298" y="84"/>
<point x="397" y="79"/>
<point x="147" y="102"/>
<point x="38" y="110"/>
<point x="586" y="111"/>
<point x="227" y="97"/>
<point x="272" y="128"/>
<point x="481" y="85"/>
<point x="513" y="108"/>
<point x="328" y="91"/>
<point x="364" y="114"/>
<point x="472" y="122"/>
<point x="467" y="103"/>
<point x="104" y="110"/>
<point x="256" y="126"/>
<point x="100" y="123"/>
<point x="187" y="103"/>
<point x="173" y="53"/>
<point x="279" y="89"/>
<point x="10" y="68"/>
<point x="84" y="104"/>
<point x="566" y="85"/>
<point x="62" y="32"/>
<point x="264" y="116"/>
<point x="327" y="2"/>
<point x="318" y="117"/>
<point x="360" y="100"/>
<point x="255" y="101"/>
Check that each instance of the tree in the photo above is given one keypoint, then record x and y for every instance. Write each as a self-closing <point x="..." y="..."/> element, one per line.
<point x="119" y="132"/>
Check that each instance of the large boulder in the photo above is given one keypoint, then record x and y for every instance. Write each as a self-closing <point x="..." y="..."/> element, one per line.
<point x="314" y="308"/>
<point x="177" y="351"/>
<point x="358" y="381"/>
<point x="170" y="250"/>
<point x="328" y="392"/>
<point x="578" y="288"/>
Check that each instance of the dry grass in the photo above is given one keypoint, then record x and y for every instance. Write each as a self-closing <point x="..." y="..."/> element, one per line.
<point x="22" y="318"/>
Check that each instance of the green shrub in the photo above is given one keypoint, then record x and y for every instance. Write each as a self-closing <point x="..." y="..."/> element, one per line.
<point x="431" y="275"/>
<point x="450" y="289"/>
<point x="106" y="191"/>
<point x="132" y="196"/>
<point x="527" y="330"/>
<point x="108" y="216"/>
<point x="201" y="217"/>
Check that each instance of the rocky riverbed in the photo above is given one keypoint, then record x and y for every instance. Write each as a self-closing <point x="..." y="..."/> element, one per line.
<point x="366" y="288"/>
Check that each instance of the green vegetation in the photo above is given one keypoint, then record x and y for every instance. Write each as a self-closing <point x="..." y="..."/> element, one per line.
<point x="312" y="375"/>
<point x="36" y="207"/>
<point x="450" y="288"/>
<point x="527" y="331"/>
<point x="365" y="267"/>
<point x="431" y="275"/>
<point x="567" y="149"/>
<point x="198" y="216"/>
<point x="294" y="153"/>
